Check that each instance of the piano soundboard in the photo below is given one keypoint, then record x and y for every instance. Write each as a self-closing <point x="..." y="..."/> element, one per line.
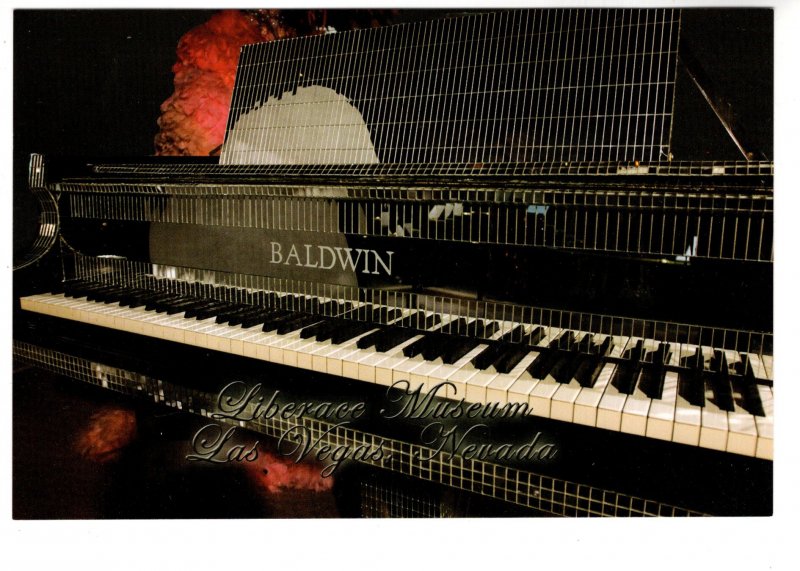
<point x="485" y="208"/>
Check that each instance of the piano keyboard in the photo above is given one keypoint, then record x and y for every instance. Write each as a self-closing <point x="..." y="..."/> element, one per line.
<point x="714" y="399"/>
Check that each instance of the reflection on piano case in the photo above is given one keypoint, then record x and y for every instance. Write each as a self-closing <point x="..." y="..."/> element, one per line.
<point x="484" y="207"/>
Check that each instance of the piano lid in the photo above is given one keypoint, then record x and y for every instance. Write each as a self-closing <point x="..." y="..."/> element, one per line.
<point x="518" y="86"/>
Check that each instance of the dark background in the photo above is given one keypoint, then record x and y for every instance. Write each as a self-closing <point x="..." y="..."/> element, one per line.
<point x="90" y="82"/>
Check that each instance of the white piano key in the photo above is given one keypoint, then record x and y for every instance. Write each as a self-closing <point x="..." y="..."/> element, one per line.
<point x="321" y="353"/>
<point x="609" y="409"/>
<point x="238" y="336"/>
<point x="302" y="349"/>
<point x="443" y="372"/>
<point x="759" y="370"/>
<point x="384" y="372"/>
<point x="274" y="345"/>
<point x="461" y="377"/>
<point x="764" y="424"/>
<point x="588" y="399"/>
<point x="292" y="349"/>
<point x="767" y="364"/>
<point x="542" y="394"/>
<point x="661" y="416"/>
<point x="742" y="432"/>
<point x="497" y="390"/>
<point x="520" y="390"/>
<point x="562" y="406"/>
<point x="713" y="424"/>
<point x="361" y="363"/>
<point x="686" y="429"/>
<point x="634" y="413"/>
<point x="476" y="387"/>
<point x="418" y="375"/>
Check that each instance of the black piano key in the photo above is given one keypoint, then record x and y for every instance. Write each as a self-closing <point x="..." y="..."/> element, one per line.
<point x="652" y="381"/>
<point x="628" y="372"/>
<point x="173" y="304"/>
<point x="194" y="311"/>
<point x="330" y="327"/>
<point x="273" y="322"/>
<point x="510" y="358"/>
<point x="546" y="358"/>
<point x="289" y="325"/>
<point x="140" y="299"/>
<point x="111" y="296"/>
<point x="226" y="316"/>
<point x="261" y="317"/>
<point x="98" y="293"/>
<point x="210" y="310"/>
<point x="592" y="365"/>
<point x="516" y="335"/>
<point x="565" y="370"/>
<point x="73" y="289"/>
<point x="82" y="289"/>
<point x="124" y="297"/>
<point x="749" y="387"/>
<point x="569" y="359"/>
<point x="489" y="329"/>
<point x="585" y="344"/>
<point x="488" y="356"/>
<point x="692" y="382"/>
<point x="369" y="340"/>
<point x="565" y="341"/>
<point x="350" y="331"/>
<point x="654" y="372"/>
<point x="155" y="302"/>
<point x="165" y="305"/>
<point x="237" y="319"/>
<point x="393" y="337"/>
<point x="457" y="348"/>
<point x="723" y="391"/>
<point x="321" y="326"/>
<point x="386" y="314"/>
<point x="720" y="381"/>
<point x="536" y="335"/>
<point x="481" y="328"/>
<point x="542" y="364"/>
<point x="436" y="345"/>
<point x="585" y="369"/>
<point x="182" y="306"/>
<point x="251" y="318"/>
<point x="625" y="378"/>
<point x="750" y="397"/>
<point x="417" y="346"/>
<point x="589" y="371"/>
<point x="565" y="367"/>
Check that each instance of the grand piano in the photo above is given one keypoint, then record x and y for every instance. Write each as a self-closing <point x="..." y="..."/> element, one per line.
<point x="460" y="252"/>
